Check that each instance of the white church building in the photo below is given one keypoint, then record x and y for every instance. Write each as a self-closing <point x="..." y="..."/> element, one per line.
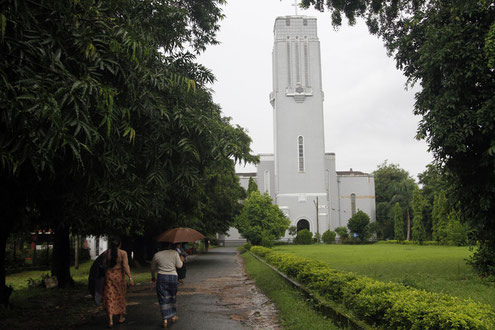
<point x="300" y="176"/>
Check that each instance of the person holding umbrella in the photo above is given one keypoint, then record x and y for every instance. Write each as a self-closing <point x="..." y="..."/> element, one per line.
<point x="165" y="263"/>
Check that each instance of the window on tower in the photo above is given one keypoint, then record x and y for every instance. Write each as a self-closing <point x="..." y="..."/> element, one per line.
<point x="300" y="153"/>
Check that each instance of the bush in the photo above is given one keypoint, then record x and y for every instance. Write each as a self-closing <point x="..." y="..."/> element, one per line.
<point x="261" y="220"/>
<point x="358" y="224"/>
<point x="382" y="305"/>
<point x="316" y="238"/>
<point x="247" y="246"/>
<point x="393" y="241"/>
<point x="304" y="237"/>
<point x="267" y="240"/>
<point x="342" y="232"/>
<point x="329" y="236"/>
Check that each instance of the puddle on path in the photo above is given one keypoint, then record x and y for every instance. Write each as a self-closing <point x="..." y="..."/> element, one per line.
<point x="238" y="293"/>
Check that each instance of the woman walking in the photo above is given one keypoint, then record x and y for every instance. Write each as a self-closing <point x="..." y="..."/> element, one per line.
<point x="165" y="263"/>
<point x="115" y="283"/>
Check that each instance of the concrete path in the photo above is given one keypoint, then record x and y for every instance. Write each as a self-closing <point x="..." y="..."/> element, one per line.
<point x="216" y="295"/>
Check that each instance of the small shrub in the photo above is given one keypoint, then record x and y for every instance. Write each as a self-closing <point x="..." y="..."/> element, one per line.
<point x="358" y="224"/>
<point x="267" y="240"/>
<point x="329" y="236"/>
<point x="316" y="238"/>
<point x="393" y="241"/>
<point x="342" y="232"/>
<point x="247" y="246"/>
<point x="304" y="237"/>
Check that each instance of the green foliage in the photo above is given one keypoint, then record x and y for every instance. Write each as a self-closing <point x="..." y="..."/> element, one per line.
<point x="342" y="232"/>
<point x="304" y="236"/>
<point x="252" y="186"/>
<point x="220" y="198"/>
<point x="387" y="305"/>
<point x="490" y="45"/>
<point x="457" y="232"/>
<point x="394" y="241"/>
<point x="434" y="180"/>
<point x="358" y="224"/>
<point x="439" y="216"/>
<point x="317" y="237"/>
<point x="483" y="260"/>
<point x="108" y="123"/>
<point x="267" y="240"/>
<point x="292" y="231"/>
<point x="247" y="246"/>
<point x="260" y="221"/>
<point x="392" y="185"/>
<point x="329" y="236"/>
<point x="398" y="223"/>
<point x="418" y="228"/>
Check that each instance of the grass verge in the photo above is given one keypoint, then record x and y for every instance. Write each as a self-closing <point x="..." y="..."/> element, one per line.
<point x="294" y="311"/>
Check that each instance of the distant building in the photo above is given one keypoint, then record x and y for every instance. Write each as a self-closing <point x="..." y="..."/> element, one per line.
<point x="96" y="245"/>
<point x="300" y="176"/>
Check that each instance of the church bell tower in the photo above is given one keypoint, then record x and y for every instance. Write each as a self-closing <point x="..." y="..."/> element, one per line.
<point x="297" y="100"/>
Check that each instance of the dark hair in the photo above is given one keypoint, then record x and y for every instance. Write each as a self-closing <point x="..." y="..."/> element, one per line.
<point x="114" y="245"/>
<point x="166" y="246"/>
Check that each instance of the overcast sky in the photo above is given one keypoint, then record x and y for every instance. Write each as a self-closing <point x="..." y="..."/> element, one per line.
<point x="367" y="111"/>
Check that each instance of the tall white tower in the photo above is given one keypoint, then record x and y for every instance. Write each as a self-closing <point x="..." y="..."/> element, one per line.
<point x="297" y="100"/>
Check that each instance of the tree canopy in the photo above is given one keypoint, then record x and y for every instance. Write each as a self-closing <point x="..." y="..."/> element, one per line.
<point x="106" y="120"/>
<point x="392" y="185"/>
<point x="260" y="220"/>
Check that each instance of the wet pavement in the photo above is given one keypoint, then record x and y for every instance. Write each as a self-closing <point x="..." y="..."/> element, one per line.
<point x="216" y="294"/>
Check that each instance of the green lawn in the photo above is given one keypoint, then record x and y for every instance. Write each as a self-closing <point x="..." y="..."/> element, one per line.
<point x="294" y="311"/>
<point x="433" y="268"/>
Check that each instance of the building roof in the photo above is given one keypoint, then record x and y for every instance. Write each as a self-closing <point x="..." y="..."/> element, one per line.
<point x="352" y="173"/>
<point x="250" y="174"/>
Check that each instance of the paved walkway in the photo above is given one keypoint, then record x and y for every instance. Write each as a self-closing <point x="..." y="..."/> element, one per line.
<point x="216" y="295"/>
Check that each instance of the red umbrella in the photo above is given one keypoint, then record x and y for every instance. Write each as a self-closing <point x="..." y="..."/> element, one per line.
<point x="178" y="235"/>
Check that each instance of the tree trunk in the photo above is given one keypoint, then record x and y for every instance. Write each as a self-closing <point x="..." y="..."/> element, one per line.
<point x="76" y="252"/>
<point x="11" y="198"/>
<point x="61" y="256"/>
<point x="408" y="226"/>
<point x="5" y="291"/>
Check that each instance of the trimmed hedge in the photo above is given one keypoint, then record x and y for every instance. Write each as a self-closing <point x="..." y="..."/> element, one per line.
<point x="393" y="241"/>
<point x="386" y="305"/>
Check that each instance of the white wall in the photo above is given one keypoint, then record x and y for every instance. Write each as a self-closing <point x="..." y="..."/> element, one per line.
<point x="364" y="188"/>
<point x="103" y="245"/>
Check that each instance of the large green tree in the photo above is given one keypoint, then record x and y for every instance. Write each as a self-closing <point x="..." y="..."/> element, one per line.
<point x="260" y="219"/>
<point x="106" y="116"/>
<point x="446" y="46"/>
<point x="439" y="216"/>
<point x="418" y="228"/>
<point x="252" y="186"/>
<point x="398" y="223"/>
<point x="433" y="180"/>
<point x="392" y="185"/>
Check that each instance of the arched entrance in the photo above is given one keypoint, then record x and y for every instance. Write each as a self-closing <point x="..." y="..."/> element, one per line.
<point x="302" y="224"/>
